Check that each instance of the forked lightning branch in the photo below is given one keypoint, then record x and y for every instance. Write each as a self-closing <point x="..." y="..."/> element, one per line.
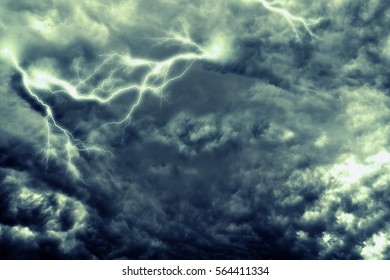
<point x="157" y="76"/>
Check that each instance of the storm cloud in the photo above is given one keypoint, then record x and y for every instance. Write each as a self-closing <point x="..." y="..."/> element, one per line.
<point x="277" y="150"/>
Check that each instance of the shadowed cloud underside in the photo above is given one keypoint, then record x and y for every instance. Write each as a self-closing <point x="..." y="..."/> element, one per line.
<point x="198" y="129"/>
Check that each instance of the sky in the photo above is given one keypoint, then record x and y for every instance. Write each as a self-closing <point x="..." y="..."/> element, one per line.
<point x="194" y="129"/>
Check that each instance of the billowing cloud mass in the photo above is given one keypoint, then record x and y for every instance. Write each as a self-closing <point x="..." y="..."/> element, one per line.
<point x="193" y="129"/>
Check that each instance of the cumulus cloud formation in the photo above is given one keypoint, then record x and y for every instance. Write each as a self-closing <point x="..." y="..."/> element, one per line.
<point x="194" y="129"/>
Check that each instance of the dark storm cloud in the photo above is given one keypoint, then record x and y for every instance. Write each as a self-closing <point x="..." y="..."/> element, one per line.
<point x="37" y="222"/>
<point x="17" y="86"/>
<point x="279" y="152"/>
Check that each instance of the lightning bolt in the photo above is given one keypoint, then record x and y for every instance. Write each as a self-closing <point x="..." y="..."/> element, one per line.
<point x="291" y="19"/>
<point x="106" y="82"/>
<point x="72" y="145"/>
<point x="158" y="74"/>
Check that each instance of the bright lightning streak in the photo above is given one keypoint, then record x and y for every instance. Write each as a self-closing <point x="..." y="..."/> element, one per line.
<point x="291" y="19"/>
<point x="157" y="76"/>
<point x="72" y="145"/>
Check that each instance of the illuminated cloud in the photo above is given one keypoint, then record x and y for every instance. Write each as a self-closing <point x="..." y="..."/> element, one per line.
<point x="194" y="129"/>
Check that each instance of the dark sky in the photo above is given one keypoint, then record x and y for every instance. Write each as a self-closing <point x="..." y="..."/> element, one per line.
<point x="267" y="139"/>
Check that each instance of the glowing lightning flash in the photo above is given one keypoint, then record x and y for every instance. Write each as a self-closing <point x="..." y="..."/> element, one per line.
<point x="291" y="19"/>
<point x="158" y="75"/>
<point x="72" y="145"/>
